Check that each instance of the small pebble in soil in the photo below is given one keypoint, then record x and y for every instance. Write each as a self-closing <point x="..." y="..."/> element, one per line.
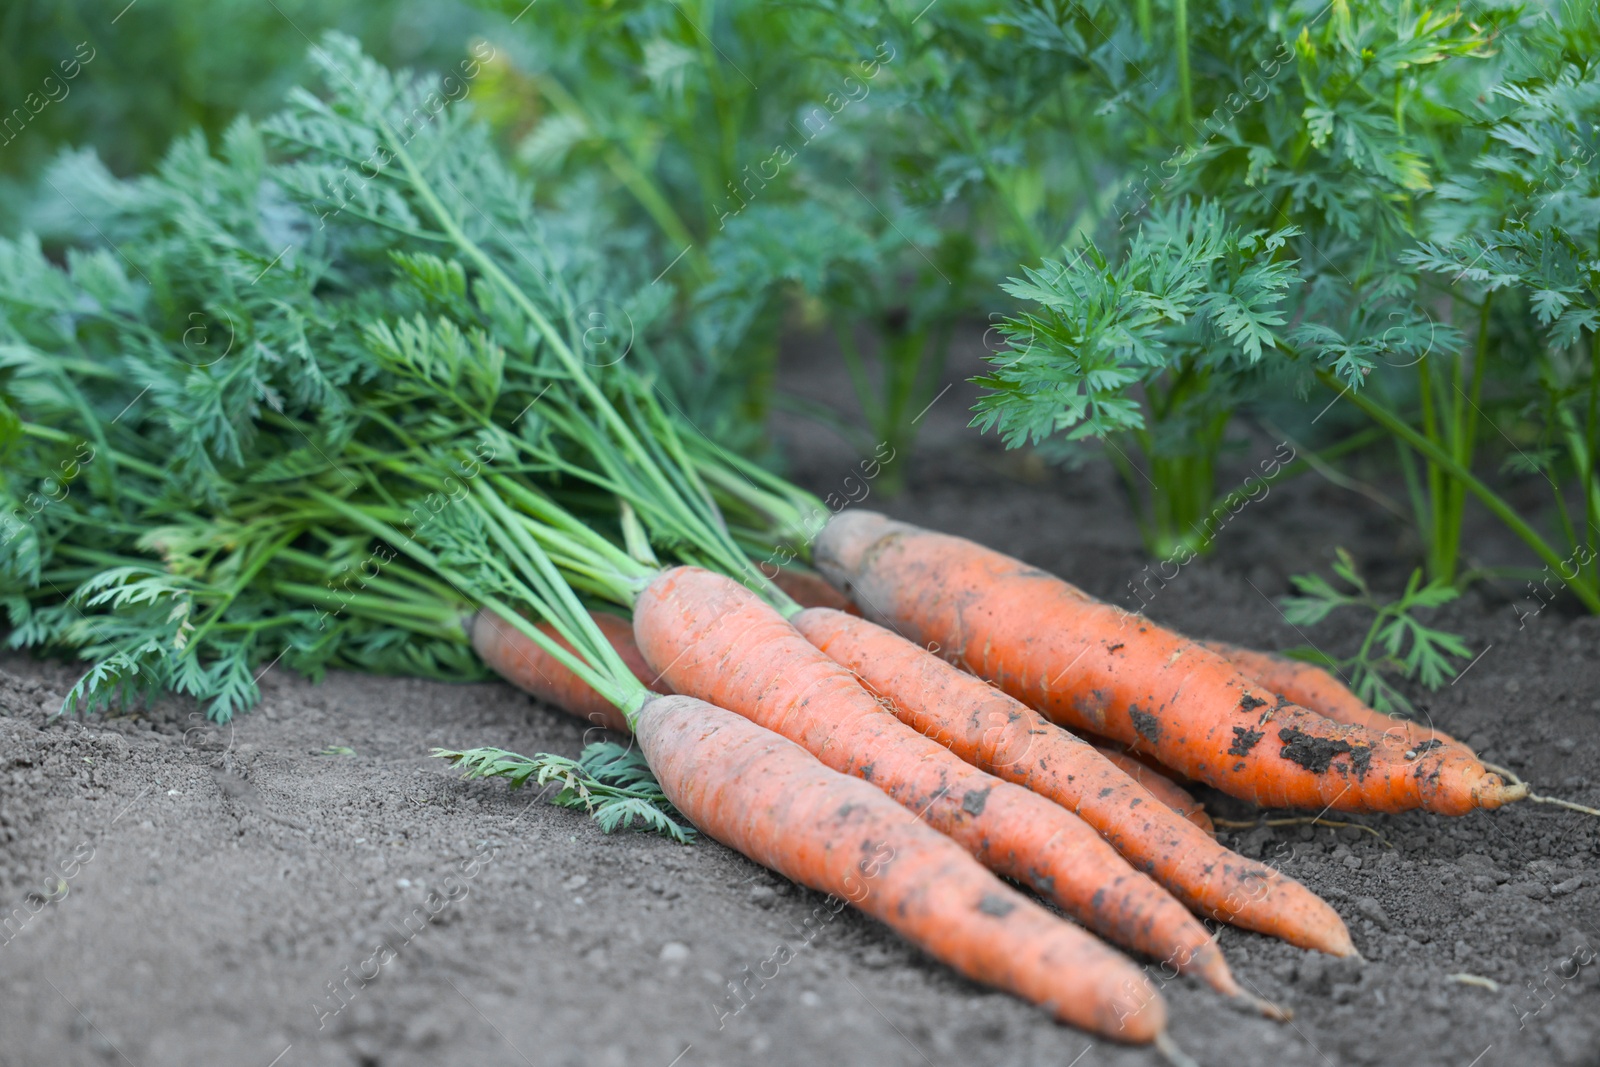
<point x="1353" y="862"/>
<point x="809" y="998"/>
<point x="1370" y="907"/>
<point x="763" y="895"/>
<point x="674" y="952"/>
<point x="876" y="958"/>
<point x="1561" y="889"/>
<point x="1312" y="976"/>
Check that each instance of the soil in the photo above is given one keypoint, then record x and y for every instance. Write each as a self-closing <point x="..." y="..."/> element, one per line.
<point x="305" y="886"/>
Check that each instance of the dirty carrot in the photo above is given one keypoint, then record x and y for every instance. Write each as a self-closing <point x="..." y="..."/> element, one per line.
<point x="1161" y="787"/>
<point x="1010" y="740"/>
<point x="1311" y="687"/>
<point x="771" y="800"/>
<point x="712" y="638"/>
<point x="513" y="656"/>
<point x="1088" y="665"/>
<point x="783" y="808"/>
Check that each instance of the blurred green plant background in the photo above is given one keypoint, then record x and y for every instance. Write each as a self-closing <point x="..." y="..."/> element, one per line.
<point x="163" y="67"/>
<point x="1193" y="220"/>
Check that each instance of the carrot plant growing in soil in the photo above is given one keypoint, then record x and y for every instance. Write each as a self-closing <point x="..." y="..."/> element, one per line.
<point x="742" y="142"/>
<point x="1427" y="181"/>
<point x="1397" y="640"/>
<point x="1256" y="246"/>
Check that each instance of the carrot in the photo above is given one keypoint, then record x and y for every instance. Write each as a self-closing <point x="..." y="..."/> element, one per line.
<point x="712" y="638"/>
<point x="1091" y="666"/>
<point x="1161" y="787"/>
<point x="771" y="800"/>
<point x="768" y="798"/>
<point x="1312" y="687"/>
<point x="533" y="670"/>
<point x="1011" y="740"/>
<point x="810" y="590"/>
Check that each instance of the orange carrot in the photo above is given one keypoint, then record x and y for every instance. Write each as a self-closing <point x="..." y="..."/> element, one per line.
<point x="1092" y="666"/>
<point x="766" y="797"/>
<point x="1161" y="787"/>
<point x="1312" y="687"/>
<point x="1009" y="739"/>
<point x="811" y="590"/>
<point x="712" y="638"/>
<point x="533" y="670"/>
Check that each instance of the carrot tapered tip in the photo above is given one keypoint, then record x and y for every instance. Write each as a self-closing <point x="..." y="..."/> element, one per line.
<point x="1172" y="1053"/>
<point x="1336" y="942"/>
<point x="1499" y="793"/>
<point x="1265" y="1007"/>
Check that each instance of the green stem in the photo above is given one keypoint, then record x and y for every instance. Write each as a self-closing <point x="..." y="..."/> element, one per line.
<point x="642" y="457"/>
<point x="441" y="621"/>
<point x="1353" y="443"/>
<point x="121" y="459"/>
<point x="1591" y="489"/>
<point x="1436" y="483"/>
<point x="871" y="406"/>
<point x="1180" y="20"/>
<point x="241" y="582"/>
<point x="1487" y="496"/>
<point x="1467" y="427"/>
<point x="1031" y="244"/>
<point x="628" y="697"/>
<point x="635" y="180"/>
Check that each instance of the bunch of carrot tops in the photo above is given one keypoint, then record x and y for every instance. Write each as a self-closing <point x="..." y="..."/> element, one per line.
<point x="331" y="398"/>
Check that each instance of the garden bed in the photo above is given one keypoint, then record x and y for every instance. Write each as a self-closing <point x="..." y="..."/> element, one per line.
<point x="219" y="893"/>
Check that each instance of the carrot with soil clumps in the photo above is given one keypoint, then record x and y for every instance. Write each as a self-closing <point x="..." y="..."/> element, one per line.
<point x="771" y="800"/>
<point x="777" y="804"/>
<point x="513" y="656"/>
<point x="1311" y="687"/>
<point x="1161" y="787"/>
<point x="712" y="638"/>
<point x="1091" y="666"/>
<point x="1012" y="741"/>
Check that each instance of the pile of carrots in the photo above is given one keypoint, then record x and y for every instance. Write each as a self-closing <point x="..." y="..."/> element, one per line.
<point x="936" y="715"/>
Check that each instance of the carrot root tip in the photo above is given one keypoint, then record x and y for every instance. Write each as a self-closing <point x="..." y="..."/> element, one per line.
<point x="1172" y="1053"/>
<point x="1263" y="1006"/>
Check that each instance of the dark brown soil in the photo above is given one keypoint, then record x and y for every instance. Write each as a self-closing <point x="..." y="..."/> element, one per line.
<point x="307" y="887"/>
